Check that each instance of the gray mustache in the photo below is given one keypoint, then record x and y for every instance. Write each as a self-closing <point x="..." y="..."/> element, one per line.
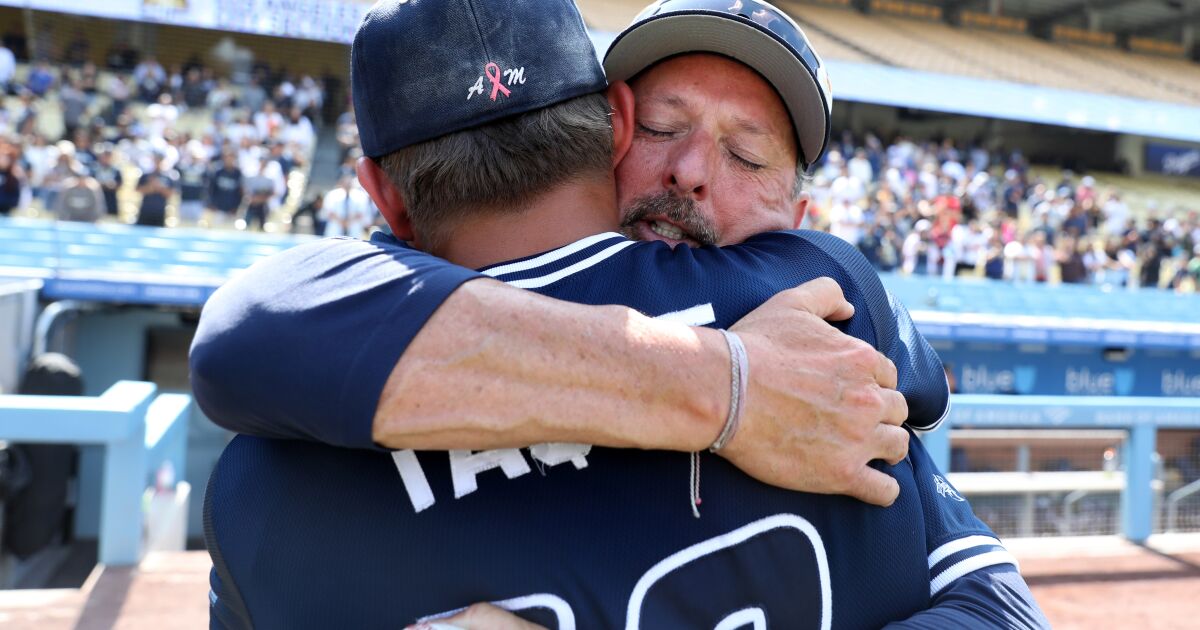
<point x="679" y="210"/>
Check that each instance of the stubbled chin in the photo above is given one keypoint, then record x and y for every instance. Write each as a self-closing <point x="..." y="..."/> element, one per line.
<point x="641" y="231"/>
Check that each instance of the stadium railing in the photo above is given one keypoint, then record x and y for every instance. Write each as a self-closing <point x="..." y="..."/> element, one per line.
<point x="1136" y="479"/>
<point x="140" y="432"/>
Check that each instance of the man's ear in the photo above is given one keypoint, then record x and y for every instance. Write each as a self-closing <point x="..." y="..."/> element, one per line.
<point x="800" y="207"/>
<point x="386" y="197"/>
<point x="620" y="99"/>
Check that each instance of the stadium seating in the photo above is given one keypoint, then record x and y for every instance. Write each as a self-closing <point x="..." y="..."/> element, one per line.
<point x="842" y="33"/>
<point x="1175" y="80"/>
<point x="831" y="48"/>
<point x="611" y="15"/>
<point x="883" y="43"/>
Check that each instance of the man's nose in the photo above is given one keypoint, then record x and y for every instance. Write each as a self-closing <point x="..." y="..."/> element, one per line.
<point x="689" y="171"/>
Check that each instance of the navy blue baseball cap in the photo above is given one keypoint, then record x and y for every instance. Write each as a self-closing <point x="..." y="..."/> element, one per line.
<point x="750" y="31"/>
<point x="421" y="69"/>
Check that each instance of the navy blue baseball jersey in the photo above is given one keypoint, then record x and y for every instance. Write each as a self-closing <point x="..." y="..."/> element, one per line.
<point x="301" y="344"/>
<point x="309" y="535"/>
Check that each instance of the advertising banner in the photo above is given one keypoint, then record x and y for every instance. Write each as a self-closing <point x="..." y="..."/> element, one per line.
<point x="1054" y="372"/>
<point x="1172" y="160"/>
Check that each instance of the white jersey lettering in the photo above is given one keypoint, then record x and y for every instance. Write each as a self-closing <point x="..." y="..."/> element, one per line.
<point x="560" y="453"/>
<point x="465" y="465"/>
<point x="413" y="477"/>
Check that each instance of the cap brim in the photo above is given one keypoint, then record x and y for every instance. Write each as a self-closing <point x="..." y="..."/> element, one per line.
<point x="658" y="38"/>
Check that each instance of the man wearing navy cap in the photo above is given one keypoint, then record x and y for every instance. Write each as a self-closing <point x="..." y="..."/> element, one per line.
<point x="599" y="538"/>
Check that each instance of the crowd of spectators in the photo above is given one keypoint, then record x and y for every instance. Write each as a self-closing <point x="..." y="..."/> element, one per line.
<point x="220" y="153"/>
<point x="939" y="208"/>
<point x="918" y="207"/>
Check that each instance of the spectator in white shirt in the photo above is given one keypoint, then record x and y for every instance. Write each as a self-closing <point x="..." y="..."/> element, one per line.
<point x="982" y="192"/>
<point x="847" y="187"/>
<point x="347" y="210"/>
<point x="846" y="221"/>
<point x="917" y="245"/>
<point x="117" y="88"/>
<point x="1018" y="266"/>
<point x="240" y="130"/>
<point x="833" y="165"/>
<point x="308" y="97"/>
<point x="298" y="130"/>
<point x="271" y="170"/>
<point x="956" y="171"/>
<point x="268" y="122"/>
<point x="250" y="155"/>
<point x="41" y="158"/>
<point x="1116" y="215"/>
<point x="220" y="96"/>
<point x="895" y="182"/>
<point x="860" y="167"/>
<point x="928" y="180"/>
<point x="162" y="116"/>
<point x="8" y="68"/>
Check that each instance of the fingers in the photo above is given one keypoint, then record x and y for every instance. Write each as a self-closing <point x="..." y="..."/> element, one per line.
<point x="895" y="407"/>
<point x="823" y="298"/>
<point x="435" y="625"/>
<point x="484" y="616"/>
<point x="885" y="371"/>
<point x="891" y="443"/>
<point x="876" y="488"/>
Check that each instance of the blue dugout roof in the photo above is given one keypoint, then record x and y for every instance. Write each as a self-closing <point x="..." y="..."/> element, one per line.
<point x="129" y="264"/>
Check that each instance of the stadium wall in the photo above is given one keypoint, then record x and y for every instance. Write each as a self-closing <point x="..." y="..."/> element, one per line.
<point x="18" y="308"/>
<point x="116" y="345"/>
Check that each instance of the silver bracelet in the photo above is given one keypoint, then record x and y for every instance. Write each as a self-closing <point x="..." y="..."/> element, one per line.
<point x="739" y="367"/>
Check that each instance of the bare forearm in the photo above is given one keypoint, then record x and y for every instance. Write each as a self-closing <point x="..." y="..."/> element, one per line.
<point x="497" y="367"/>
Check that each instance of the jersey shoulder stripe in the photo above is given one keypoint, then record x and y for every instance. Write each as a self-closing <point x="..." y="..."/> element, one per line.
<point x="967" y="566"/>
<point x="963" y="556"/>
<point x="925" y="428"/>
<point x="590" y="261"/>
<point x="961" y="544"/>
<point x="554" y="260"/>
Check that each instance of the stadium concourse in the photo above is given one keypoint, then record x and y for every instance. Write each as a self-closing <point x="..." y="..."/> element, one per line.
<point x="1025" y="176"/>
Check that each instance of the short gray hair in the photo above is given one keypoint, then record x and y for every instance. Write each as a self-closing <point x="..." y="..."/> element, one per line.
<point x="803" y="178"/>
<point x="501" y="166"/>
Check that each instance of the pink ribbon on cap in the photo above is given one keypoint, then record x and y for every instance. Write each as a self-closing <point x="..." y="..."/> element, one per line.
<point x="493" y="74"/>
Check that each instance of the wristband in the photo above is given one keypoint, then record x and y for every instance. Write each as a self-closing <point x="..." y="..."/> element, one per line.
<point x="739" y="368"/>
